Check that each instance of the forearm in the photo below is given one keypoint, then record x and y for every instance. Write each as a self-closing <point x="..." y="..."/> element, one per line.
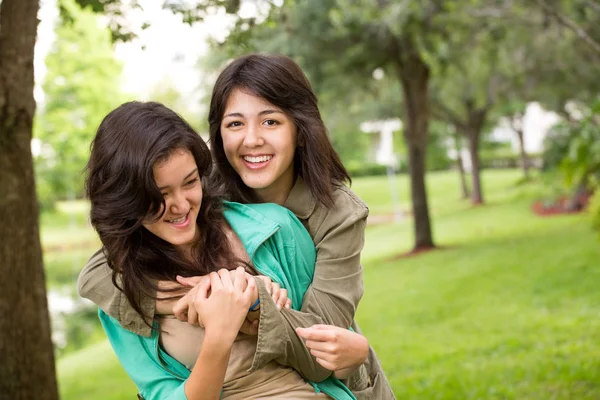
<point x="207" y="376"/>
<point x="333" y="303"/>
<point x="278" y="341"/>
<point x="337" y="285"/>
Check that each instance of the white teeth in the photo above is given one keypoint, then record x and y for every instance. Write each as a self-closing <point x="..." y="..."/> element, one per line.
<point x="257" y="159"/>
<point x="176" y="221"/>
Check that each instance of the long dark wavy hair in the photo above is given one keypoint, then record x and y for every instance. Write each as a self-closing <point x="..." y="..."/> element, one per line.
<point x="280" y="81"/>
<point x="120" y="185"/>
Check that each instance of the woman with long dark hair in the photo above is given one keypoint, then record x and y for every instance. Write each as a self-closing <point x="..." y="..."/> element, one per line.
<point x="157" y="221"/>
<point x="270" y="145"/>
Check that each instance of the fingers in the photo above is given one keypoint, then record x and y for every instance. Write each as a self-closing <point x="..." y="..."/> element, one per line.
<point x="215" y="281"/>
<point x="202" y="290"/>
<point x="180" y="308"/>
<point x="288" y="304"/>
<point x="275" y="290"/>
<point x="326" y="347"/>
<point x="326" y="364"/>
<point x="268" y="283"/>
<point x="332" y="359"/>
<point x="318" y="333"/>
<point x="200" y="294"/>
<point x="189" y="281"/>
<point x="226" y="278"/>
<point x="240" y="281"/>
<point x="282" y="298"/>
<point x="192" y="316"/>
<point x="250" y="292"/>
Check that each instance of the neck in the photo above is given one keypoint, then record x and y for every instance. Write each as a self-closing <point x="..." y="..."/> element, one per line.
<point x="275" y="194"/>
<point x="275" y="197"/>
<point x="186" y="249"/>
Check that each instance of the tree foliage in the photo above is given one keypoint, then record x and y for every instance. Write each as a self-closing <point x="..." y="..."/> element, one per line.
<point x="81" y="87"/>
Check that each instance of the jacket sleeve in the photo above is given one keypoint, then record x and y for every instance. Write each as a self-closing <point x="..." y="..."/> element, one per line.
<point x="278" y="341"/>
<point x="333" y="295"/>
<point x="154" y="382"/>
<point x="337" y="286"/>
<point x="95" y="283"/>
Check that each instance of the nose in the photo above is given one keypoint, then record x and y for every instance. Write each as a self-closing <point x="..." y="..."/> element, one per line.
<point x="253" y="137"/>
<point x="179" y="204"/>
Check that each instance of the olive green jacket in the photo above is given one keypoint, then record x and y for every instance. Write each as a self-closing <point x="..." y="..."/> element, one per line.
<point x="332" y="297"/>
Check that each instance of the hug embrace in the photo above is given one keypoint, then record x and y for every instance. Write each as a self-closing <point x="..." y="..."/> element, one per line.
<point x="232" y="275"/>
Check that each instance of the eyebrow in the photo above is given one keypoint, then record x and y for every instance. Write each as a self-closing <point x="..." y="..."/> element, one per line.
<point x="186" y="177"/>
<point x="263" y="112"/>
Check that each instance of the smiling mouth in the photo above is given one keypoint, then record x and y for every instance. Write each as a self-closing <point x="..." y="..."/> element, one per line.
<point x="178" y="220"/>
<point x="257" y="159"/>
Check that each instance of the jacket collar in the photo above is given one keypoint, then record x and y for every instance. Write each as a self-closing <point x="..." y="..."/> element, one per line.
<point x="300" y="200"/>
<point x="252" y="227"/>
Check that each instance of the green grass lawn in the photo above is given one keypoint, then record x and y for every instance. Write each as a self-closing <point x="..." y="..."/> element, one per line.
<point x="507" y="309"/>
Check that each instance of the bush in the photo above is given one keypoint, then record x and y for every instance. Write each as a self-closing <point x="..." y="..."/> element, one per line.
<point x="357" y="169"/>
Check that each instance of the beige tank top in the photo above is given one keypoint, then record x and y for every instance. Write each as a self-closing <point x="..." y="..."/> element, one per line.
<point x="183" y="342"/>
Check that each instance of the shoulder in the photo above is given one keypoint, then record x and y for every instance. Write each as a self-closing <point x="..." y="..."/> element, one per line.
<point x="346" y="206"/>
<point x="349" y="212"/>
<point x="345" y="197"/>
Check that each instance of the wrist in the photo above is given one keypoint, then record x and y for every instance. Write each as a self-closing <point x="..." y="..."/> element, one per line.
<point x="255" y="306"/>
<point x="219" y="342"/>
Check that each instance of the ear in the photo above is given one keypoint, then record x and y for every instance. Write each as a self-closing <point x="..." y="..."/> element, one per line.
<point x="300" y="141"/>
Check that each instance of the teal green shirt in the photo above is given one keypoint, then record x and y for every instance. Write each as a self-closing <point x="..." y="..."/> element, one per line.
<point x="280" y="248"/>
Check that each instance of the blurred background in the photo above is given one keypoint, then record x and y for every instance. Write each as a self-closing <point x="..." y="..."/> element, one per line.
<point x="471" y="128"/>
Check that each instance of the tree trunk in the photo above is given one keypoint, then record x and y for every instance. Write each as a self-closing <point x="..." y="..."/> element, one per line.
<point x="524" y="158"/>
<point x="26" y="352"/>
<point x="461" y="169"/>
<point x="477" y="193"/>
<point x="474" y="128"/>
<point x="414" y="75"/>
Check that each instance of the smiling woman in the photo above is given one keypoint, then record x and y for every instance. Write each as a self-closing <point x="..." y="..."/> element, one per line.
<point x="270" y="146"/>
<point x="157" y="224"/>
<point x="179" y="182"/>
<point x="259" y="141"/>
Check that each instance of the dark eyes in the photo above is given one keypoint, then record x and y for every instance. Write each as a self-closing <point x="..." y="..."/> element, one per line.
<point x="191" y="182"/>
<point x="235" y="124"/>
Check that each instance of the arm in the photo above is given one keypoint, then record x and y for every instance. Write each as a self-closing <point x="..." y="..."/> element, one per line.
<point x="213" y="299"/>
<point x="336" y="287"/>
<point x="337" y="349"/>
<point x="135" y="355"/>
<point x="95" y="283"/>
<point x="155" y="381"/>
<point x="279" y="342"/>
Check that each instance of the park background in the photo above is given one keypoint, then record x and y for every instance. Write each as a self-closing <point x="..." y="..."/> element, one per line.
<point x="471" y="129"/>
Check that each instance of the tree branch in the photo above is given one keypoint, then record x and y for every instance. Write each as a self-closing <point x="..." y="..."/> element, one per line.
<point x="570" y="24"/>
<point x="440" y="111"/>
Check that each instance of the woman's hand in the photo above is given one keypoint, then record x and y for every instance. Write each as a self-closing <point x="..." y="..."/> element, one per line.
<point x="335" y="348"/>
<point x="222" y="303"/>
<point x="181" y="307"/>
<point x="279" y="294"/>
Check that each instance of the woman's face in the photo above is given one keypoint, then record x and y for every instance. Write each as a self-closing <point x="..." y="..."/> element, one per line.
<point x="179" y="182"/>
<point x="259" y="140"/>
